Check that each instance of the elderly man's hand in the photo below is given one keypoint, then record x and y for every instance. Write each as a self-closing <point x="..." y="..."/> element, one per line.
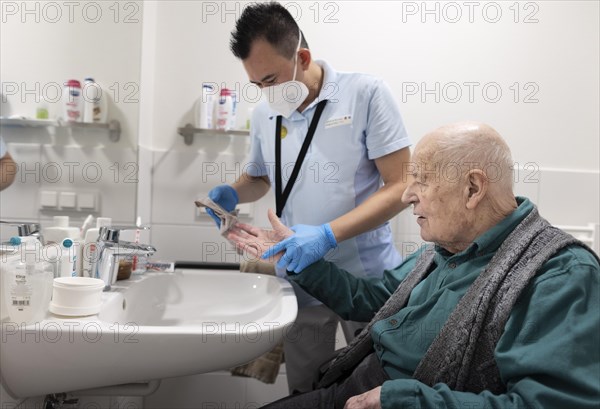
<point x="368" y="400"/>
<point x="255" y="241"/>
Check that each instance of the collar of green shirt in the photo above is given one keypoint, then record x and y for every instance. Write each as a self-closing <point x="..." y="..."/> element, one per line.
<point x="489" y="241"/>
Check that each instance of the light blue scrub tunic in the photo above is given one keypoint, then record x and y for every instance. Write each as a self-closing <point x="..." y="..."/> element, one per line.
<point x="361" y="122"/>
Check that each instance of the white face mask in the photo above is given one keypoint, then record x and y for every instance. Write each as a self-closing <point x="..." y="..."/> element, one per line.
<point x="286" y="97"/>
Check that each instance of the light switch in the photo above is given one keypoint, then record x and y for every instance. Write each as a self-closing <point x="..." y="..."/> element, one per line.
<point x="48" y="199"/>
<point x="67" y="200"/>
<point x="246" y="209"/>
<point x="86" y="201"/>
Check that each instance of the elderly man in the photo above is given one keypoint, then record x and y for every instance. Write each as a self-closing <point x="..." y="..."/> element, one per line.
<point x="501" y="311"/>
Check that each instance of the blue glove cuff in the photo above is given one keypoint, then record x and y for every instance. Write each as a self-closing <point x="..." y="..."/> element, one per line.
<point x="234" y="193"/>
<point x="330" y="235"/>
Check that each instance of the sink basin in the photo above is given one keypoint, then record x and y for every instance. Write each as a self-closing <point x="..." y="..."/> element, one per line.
<point x="153" y="326"/>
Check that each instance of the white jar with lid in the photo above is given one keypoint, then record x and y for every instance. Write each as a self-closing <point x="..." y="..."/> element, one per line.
<point x="72" y="101"/>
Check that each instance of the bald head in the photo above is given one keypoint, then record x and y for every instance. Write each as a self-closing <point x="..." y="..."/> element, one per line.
<point x="464" y="146"/>
<point x="461" y="183"/>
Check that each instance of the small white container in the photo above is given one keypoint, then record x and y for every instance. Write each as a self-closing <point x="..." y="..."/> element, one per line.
<point x="76" y="296"/>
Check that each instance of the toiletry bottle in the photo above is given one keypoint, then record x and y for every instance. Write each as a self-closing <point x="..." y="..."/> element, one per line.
<point x="72" y="101"/>
<point x="89" y="253"/>
<point x="60" y="230"/>
<point x="95" y="102"/>
<point x="41" y="111"/>
<point x="28" y="287"/>
<point x="232" y="114"/>
<point x="224" y="109"/>
<point x="67" y="264"/>
<point x="204" y="108"/>
<point x="12" y="252"/>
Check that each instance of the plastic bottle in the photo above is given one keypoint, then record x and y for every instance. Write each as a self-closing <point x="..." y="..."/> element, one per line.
<point x="224" y="109"/>
<point x="72" y="101"/>
<point x="42" y="109"/>
<point x="28" y="288"/>
<point x="67" y="263"/>
<point x="204" y="108"/>
<point x="233" y="113"/>
<point x="89" y="254"/>
<point x="95" y="102"/>
<point x="13" y="250"/>
<point x="60" y="231"/>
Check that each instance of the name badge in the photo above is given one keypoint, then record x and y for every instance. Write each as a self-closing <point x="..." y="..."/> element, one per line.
<point x="343" y="120"/>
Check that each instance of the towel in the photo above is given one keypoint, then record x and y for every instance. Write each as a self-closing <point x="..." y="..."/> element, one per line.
<point x="228" y="219"/>
<point x="265" y="368"/>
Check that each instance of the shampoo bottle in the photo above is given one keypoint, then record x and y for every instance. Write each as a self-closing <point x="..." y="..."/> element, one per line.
<point x="224" y="110"/>
<point x="95" y="102"/>
<point x="204" y="108"/>
<point x="72" y="101"/>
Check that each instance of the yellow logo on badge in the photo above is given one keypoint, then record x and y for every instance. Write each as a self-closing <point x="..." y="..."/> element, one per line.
<point x="283" y="132"/>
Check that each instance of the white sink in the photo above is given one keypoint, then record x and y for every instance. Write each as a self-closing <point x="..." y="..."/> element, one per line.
<point x="153" y="326"/>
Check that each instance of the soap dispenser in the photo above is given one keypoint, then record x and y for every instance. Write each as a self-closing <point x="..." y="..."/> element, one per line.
<point x="27" y="286"/>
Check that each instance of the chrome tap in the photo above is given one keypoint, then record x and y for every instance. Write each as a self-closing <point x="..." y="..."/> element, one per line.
<point x="109" y="248"/>
<point x="27" y="229"/>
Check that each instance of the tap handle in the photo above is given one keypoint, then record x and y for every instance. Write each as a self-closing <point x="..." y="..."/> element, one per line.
<point x="25" y="228"/>
<point x="111" y="233"/>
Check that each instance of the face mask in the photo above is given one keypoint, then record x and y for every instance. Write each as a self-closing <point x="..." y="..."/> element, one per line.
<point x="286" y="97"/>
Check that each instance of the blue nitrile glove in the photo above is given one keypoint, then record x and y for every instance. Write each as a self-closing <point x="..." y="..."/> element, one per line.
<point x="307" y="245"/>
<point x="226" y="197"/>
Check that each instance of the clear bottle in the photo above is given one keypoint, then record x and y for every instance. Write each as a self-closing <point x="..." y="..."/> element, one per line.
<point x="28" y="284"/>
<point x="72" y="101"/>
<point x="224" y="110"/>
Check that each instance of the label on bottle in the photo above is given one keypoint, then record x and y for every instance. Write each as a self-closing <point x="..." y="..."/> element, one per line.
<point x="20" y="292"/>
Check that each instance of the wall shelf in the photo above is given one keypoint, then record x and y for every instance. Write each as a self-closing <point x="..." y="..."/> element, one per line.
<point x="113" y="127"/>
<point x="188" y="132"/>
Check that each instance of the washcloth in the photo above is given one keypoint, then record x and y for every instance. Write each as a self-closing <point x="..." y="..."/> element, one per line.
<point x="266" y="367"/>
<point x="228" y="219"/>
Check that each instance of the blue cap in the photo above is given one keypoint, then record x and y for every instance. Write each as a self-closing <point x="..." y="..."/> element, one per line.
<point x="15" y="240"/>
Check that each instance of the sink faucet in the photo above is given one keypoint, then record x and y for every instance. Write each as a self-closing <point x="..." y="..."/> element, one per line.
<point x="27" y="229"/>
<point x="110" y="248"/>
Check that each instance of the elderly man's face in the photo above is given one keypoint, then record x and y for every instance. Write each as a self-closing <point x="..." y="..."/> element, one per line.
<point x="438" y="199"/>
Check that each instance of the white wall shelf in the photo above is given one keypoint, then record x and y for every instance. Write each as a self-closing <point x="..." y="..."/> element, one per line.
<point x="188" y="132"/>
<point x="113" y="127"/>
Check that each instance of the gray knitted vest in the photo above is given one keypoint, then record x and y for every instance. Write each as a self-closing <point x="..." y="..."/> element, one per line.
<point x="462" y="354"/>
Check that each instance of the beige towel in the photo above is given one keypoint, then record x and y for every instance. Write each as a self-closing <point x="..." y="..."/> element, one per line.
<point x="265" y="368"/>
<point x="228" y="219"/>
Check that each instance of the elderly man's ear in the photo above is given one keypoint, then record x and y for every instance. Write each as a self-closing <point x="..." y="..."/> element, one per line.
<point x="476" y="188"/>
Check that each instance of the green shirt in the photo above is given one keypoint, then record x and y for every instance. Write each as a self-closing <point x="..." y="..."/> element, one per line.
<point x="548" y="355"/>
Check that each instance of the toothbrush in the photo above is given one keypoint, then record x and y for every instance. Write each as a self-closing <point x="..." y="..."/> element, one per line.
<point x="86" y="224"/>
<point x="138" y="223"/>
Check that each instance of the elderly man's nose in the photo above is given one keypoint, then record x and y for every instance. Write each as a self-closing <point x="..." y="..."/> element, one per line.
<point x="408" y="196"/>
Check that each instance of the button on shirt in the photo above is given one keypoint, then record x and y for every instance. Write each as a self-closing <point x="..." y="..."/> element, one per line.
<point x="548" y="354"/>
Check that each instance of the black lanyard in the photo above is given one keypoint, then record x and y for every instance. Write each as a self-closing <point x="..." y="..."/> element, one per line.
<point x="281" y="198"/>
